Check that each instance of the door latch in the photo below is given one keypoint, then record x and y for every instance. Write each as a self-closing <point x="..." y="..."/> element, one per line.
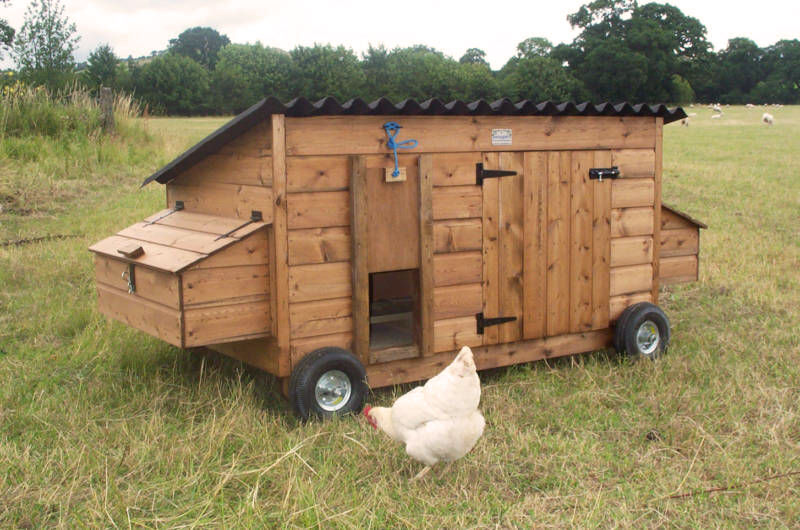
<point x="600" y="173"/>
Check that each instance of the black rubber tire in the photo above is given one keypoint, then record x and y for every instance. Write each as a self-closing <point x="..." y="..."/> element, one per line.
<point x="619" y="335"/>
<point x="305" y="375"/>
<point x="628" y="327"/>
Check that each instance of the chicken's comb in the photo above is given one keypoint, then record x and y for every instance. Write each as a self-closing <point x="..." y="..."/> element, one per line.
<point x="366" y="410"/>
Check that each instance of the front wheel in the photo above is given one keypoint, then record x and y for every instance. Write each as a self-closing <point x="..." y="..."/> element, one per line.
<point x="643" y="331"/>
<point x="328" y="382"/>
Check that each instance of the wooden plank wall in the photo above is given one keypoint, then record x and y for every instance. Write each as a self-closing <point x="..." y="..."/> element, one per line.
<point x="226" y="297"/>
<point x="680" y="249"/>
<point x="632" y="229"/>
<point x="231" y="182"/>
<point x="457" y="258"/>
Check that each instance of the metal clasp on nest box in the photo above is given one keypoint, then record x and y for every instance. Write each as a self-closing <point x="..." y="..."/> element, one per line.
<point x="129" y="276"/>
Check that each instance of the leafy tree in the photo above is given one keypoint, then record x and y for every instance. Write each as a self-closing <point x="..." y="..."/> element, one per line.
<point x="101" y="67"/>
<point x="781" y="61"/>
<point x="540" y="78"/>
<point x="614" y="71"/>
<point x="420" y="72"/>
<point x="246" y="73"/>
<point x="173" y="84"/>
<point x="320" y="71"/>
<point x="475" y="81"/>
<point x="741" y="69"/>
<point x="44" y="47"/>
<point x="201" y="44"/>
<point x="534" y="47"/>
<point x="474" y="56"/>
<point x="377" y="79"/>
<point x="681" y="91"/>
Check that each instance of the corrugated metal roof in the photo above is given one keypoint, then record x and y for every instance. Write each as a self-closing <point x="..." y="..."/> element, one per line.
<point x="302" y="108"/>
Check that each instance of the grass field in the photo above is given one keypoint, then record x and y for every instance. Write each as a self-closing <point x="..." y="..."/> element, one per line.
<point x="101" y="425"/>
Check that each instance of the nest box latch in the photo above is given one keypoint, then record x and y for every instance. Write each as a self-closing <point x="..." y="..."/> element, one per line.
<point x="486" y="322"/>
<point x="129" y="275"/>
<point x="481" y="173"/>
<point x="600" y="173"/>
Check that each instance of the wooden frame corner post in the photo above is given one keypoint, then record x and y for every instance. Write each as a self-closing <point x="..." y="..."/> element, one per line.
<point x="426" y="255"/>
<point x="360" y="273"/>
<point x="280" y="244"/>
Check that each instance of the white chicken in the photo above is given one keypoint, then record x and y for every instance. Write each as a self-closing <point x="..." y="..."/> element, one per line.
<point x="439" y="421"/>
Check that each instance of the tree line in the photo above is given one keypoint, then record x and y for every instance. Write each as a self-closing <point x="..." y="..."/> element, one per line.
<point x="624" y="52"/>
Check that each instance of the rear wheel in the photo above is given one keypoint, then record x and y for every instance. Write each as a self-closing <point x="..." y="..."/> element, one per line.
<point x="643" y="331"/>
<point x="328" y="382"/>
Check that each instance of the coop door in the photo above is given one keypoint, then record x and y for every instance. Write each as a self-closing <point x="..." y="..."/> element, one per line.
<point x="546" y="245"/>
<point x="386" y="261"/>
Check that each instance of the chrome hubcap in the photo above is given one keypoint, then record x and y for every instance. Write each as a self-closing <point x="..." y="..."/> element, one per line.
<point x="647" y="337"/>
<point x="333" y="390"/>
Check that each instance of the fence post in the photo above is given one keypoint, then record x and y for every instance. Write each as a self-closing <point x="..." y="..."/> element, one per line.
<point x="107" y="108"/>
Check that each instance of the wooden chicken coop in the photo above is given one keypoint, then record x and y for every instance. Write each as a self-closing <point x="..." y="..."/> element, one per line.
<point x="389" y="236"/>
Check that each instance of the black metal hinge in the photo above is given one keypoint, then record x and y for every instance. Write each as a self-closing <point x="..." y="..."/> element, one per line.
<point x="486" y="322"/>
<point x="481" y="173"/>
<point x="601" y="173"/>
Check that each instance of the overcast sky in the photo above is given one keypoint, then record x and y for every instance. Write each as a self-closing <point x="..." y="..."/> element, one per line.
<point x="137" y="27"/>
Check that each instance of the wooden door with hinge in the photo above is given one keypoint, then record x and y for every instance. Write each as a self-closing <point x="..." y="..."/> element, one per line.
<point x="546" y="244"/>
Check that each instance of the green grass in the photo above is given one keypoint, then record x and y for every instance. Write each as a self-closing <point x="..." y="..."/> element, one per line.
<point x="101" y="425"/>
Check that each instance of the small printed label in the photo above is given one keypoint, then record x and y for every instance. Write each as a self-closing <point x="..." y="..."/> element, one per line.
<point x="501" y="136"/>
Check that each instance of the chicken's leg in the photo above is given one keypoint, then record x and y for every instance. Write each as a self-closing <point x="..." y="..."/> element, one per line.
<point x="421" y="473"/>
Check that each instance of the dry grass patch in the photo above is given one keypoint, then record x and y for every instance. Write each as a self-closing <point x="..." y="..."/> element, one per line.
<point x="101" y="425"/>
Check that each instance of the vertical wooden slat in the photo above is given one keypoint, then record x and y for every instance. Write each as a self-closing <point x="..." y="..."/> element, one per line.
<point x="534" y="298"/>
<point x="558" y="232"/>
<point x="657" y="208"/>
<point x="426" y="255"/>
<point x="359" y="237"/>
<point x="601" y="244"/>
<point x="491" y="279"/>
<point x="281" y="243"/>
<point x="510" y="247"/>
<point x="581" y="204"/>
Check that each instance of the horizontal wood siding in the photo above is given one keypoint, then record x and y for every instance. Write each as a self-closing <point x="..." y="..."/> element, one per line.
<point x="632" y="229"/>
<point x="455" y="333"/>
<point x="319" y="245"/>
<point x="456" y="235"/>
<point x="319" y="282"/>
<point x="156" y="319"/>
<point x="634" y="250"/>
<point x="156" y="286"/>
<point x="319" y="253"/>
<point x="679" y="269"/>
<point x="631" y="279"/>
<point x="225" y="200"/>
<point x="226" y="323"/>
<point x="321" y="317"/>
<point x="457" y="268"/>
<point x="244" y="160"/>
<point x="331" y="135"/>
<point x="202" y="286"/>
<point x="318" y="210"/>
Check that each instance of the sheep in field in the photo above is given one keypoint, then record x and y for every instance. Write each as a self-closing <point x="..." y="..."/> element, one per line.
<point x="767" y="118"/>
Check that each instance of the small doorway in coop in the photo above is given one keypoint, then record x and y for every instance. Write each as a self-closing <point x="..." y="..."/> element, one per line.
<point x="394" y="314"/>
